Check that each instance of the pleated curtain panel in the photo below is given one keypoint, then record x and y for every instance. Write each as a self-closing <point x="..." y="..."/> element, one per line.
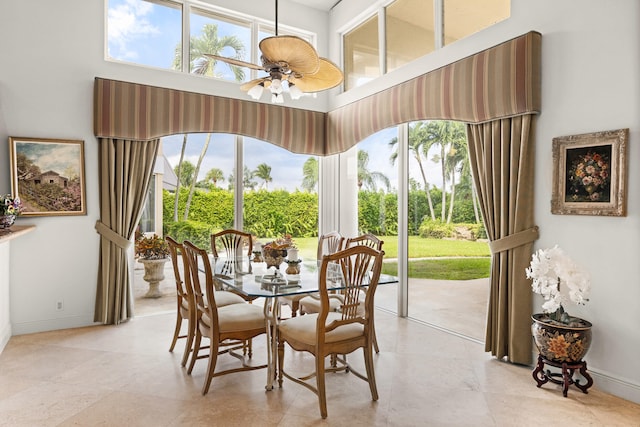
<point x="496" y="92"/>
<point x="125" y="172"/>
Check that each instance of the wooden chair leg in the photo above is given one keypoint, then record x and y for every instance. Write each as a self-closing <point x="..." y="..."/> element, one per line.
<point x="371" y="375"/>
<point x="374" y="339"/>
<point x="295" y="306"/>
<point x="176" y="333"/>
<point x="320" y="383"/>
<point x="196" y="349"/>
<point x="211" y="367"/>
<point x="188" y="347"/>
<point x="280" y="361"/>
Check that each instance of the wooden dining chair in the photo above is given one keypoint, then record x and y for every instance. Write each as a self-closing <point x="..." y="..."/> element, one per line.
<point x="232" y="245"/>
<point x="186" y="307"/>
<point x="328" y="243"/>
<point x="227" y="328"/>
<point x="330" y="332"/>
<point x="374" y="242"/>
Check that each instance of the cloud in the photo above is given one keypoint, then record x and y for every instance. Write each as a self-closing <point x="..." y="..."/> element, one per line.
<point x="127" y="22"/>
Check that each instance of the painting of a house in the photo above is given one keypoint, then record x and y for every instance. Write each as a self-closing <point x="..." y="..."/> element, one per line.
<point x="51" y="177"/>
<point x="48" y="175"/>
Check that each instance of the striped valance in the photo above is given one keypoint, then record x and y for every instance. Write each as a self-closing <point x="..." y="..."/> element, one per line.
<point x="499" y="82"/>
<point x="139" y="112"/>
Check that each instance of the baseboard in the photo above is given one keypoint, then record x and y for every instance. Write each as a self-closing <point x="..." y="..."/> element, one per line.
<point x="612" y="385"/>
<point x="5" y="334"/>
<point x="52" y="324"/>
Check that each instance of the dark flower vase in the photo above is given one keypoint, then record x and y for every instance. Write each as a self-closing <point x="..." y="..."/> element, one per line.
<point x="561" y="343"/>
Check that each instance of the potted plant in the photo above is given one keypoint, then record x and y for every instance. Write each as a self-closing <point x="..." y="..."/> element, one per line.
<point x="559" y="337"/>
<point x="152" y="252"/>
<point x="10" y="208"/>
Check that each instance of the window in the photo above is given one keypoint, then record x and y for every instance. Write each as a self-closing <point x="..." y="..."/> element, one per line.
<point x="211" y="33"/>
<point x="409" y="31"/>
<point x="133" y="26"/>
<point x="465" y="17"/>
<point x="151" y="33"/>
<point x="362" y="54"/>
<point x="413" y="28"/>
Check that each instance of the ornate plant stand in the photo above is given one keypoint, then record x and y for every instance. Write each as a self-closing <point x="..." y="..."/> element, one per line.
<point x="568" y="368"/>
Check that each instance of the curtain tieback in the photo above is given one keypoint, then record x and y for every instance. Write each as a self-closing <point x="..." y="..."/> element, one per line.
<point x="514" y="240"/>
<point x="112" y="236"/>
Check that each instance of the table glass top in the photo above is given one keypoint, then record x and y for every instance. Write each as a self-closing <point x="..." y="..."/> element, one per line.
<point x="254" y="279"/>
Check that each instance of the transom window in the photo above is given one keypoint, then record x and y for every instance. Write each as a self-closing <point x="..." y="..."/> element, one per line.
<point x="174" y="35"/>
<point x="412" y="28"/>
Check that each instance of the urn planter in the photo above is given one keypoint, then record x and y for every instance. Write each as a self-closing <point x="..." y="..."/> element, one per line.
<point x="153" y="274"/>
<point x="558" y="342"/>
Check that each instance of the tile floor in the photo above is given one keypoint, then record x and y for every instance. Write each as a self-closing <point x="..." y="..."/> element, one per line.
<point x="124" y="376"/>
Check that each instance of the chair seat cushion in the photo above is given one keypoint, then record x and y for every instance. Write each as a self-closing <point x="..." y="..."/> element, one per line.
<point x="312" y="305"/>
<point x="238" y="317"/>
<point x="303" y="329"/>
<point x="227" y="298"/>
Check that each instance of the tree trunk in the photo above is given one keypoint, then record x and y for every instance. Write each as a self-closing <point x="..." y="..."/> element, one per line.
<point x="177" y="197"/>
<point x="444" y="182"/>
<point x="452" y="198"/>
<point x="426" y="187"/>
<point x="195" y="176"/>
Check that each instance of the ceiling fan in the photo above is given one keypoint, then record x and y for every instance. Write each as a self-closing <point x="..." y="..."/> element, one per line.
<point x="290" y="59"/>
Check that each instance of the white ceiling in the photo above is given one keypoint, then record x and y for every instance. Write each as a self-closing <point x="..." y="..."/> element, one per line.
<point x="325" y="5"/>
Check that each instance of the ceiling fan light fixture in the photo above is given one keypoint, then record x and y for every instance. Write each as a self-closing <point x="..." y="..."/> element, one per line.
<point x="256" y="91"/>
<point x="276" y="86"/>
<point x="294" y="91"/>
<point x="277" y="98"/>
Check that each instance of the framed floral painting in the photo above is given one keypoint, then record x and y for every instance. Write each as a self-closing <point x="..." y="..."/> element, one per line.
<point x="589" y="176"/>
<point x="48" y="176"/>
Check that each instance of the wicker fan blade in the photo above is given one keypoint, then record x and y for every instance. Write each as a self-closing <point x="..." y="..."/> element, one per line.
<point x="248" y="85"/>
<point x="233" y="61"/>
<point x="298" y="53"/>
<point x="328" y="76"/>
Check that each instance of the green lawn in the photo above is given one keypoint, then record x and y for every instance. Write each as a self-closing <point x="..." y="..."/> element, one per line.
<point x="475" y="262"/>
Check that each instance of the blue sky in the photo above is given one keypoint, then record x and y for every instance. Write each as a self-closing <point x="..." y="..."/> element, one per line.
<point x="147" y="33"/>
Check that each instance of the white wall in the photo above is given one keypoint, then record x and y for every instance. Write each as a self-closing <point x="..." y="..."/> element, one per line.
<point x="590" y="68"/>
<point x="51" y="52"/>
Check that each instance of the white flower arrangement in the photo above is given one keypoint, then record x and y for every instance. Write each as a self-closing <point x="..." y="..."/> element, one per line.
<point x="551" y="268"/>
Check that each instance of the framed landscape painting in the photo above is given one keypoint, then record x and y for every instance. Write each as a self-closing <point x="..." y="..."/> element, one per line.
<point x="589" y="174"/>
<point x="48" y="175"/>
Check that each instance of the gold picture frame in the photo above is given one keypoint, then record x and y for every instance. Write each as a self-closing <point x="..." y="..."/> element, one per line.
<point x="589" y="174"/>
<point x="48" y="176"/>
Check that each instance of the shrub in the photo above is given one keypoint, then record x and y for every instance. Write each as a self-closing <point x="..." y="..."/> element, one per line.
<point x="436" y="229"/>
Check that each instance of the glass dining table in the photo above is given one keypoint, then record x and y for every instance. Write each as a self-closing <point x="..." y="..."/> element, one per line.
<point x="254" y="280"/>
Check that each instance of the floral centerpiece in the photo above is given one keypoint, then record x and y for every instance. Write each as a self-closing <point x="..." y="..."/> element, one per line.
<point x="275" y="252"/>
<point x="152" y="247"/>
<point x="10" y="208"/>
<point x="589" y="178"/>
<point x="551" y="270"/>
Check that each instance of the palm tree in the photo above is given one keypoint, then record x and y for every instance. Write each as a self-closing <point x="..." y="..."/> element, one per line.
<point x="247" y="180"/>
<point x="263" y="172"/>
<point x="214" y="175"/>
<point x="208" y="42"/>
<point x="367" y="178"/>
<point x="310" y="173"/>
<point x="456" y="159"/>
<point x="419" y="146"/>
<point x="178" y="174"/>
<point x="443" y="133"/>
<point x="195" y="176"/>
